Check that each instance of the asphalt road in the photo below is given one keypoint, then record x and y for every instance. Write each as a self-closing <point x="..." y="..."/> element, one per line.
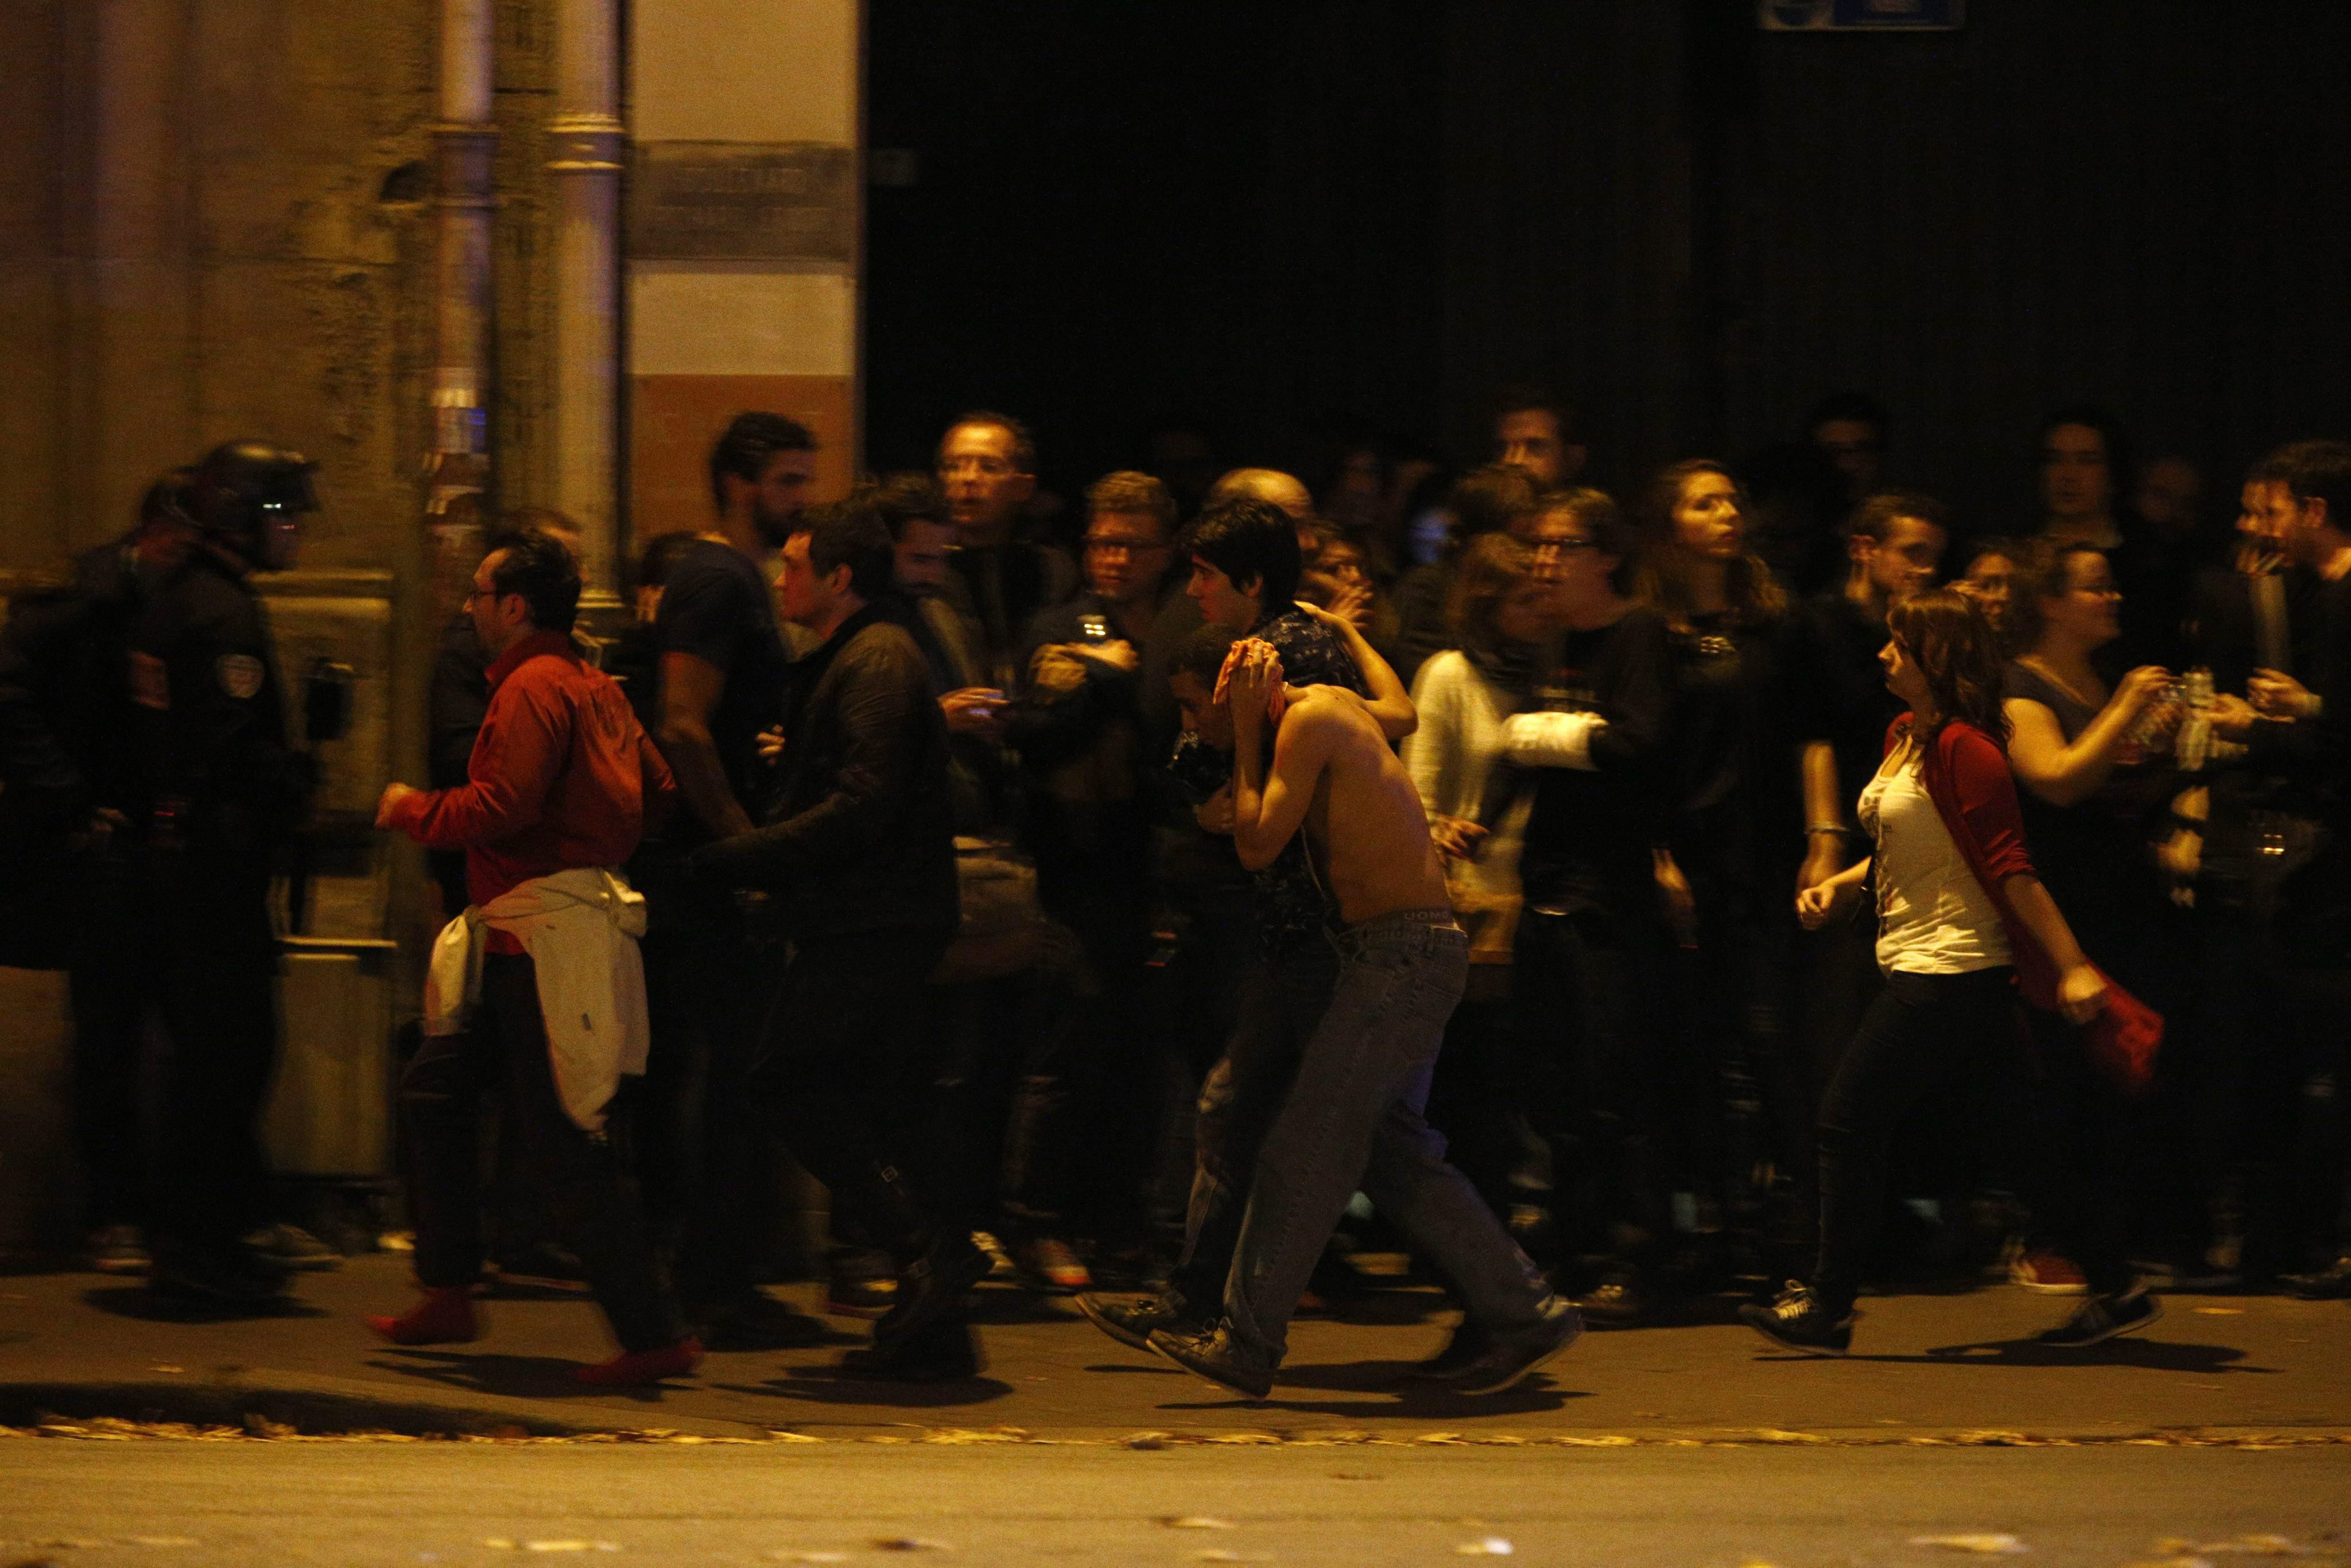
<point x="178" y="1504"/>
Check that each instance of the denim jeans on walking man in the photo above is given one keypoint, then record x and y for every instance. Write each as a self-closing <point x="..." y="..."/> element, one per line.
<point x="1354" y="1119"/>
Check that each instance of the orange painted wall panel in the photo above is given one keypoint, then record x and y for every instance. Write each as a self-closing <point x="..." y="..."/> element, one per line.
<point x="673" y="419"/>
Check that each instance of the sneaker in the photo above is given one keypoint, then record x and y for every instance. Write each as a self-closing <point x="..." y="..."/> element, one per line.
<point x="756" y="1320"/>
<point x="224" y="1276"/>
<point x="1212" y="1356"/>
<point x="1048" y="1266"/>
<point x="117" y="1250"/>
<point x="853" y="1296"/>
<point x="1618" y="1301"/>
<point x="2332" y="1283"/>
<point x="2047" y="1273"/>
<point x="633" y="1368"/>
<point x="1467" y="1344"/>
<point x="291" y="1248"/>
<point x="445" y="1316"/>
<point x="1132" y="1324"/>
<point x="2101" y="1318"/>
<point x="1511" y="1358"/>
<point x="1798" y="1321"/>
<point x="540" y="1265"/>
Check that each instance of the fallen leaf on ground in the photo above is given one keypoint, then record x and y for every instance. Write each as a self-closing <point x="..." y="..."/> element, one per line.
<point x="1986" y="1541"/>
<point x="910" y="1543"/>
<point x="1197" y="1521"/>
<point x="1491" y="1546"/>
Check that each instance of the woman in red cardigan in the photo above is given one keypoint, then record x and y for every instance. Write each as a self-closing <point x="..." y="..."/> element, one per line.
<point x="1961" y="921"/>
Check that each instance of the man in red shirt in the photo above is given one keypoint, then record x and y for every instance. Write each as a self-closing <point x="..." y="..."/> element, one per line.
<point x="562" y="784"/>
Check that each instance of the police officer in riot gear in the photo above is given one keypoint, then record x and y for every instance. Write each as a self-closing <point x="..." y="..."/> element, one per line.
<point x="175" y="808"/>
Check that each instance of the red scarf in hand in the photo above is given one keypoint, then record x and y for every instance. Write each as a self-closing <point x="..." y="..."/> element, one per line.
<point x="1967" y="777"/>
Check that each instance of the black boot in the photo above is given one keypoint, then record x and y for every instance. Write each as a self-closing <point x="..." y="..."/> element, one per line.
<point x="937" y="1265"/>
<point x="941" y="1352"/>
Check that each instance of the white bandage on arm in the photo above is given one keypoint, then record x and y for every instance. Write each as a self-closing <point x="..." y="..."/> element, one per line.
<point x="1552" y="739"/>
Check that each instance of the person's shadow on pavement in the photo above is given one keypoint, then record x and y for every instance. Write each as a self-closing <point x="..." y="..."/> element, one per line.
<point x="2153" y="1355"/>
<point x="148" y="1306"/>
<point x="1412" y="1401"/>
<point x="827" y="1384"/>
<point x="526" y="1376"/>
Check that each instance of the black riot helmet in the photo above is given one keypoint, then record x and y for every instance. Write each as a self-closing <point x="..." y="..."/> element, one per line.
<point x="248" y="495"/>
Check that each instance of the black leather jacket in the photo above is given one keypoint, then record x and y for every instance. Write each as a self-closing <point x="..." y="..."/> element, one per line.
<point x="859" y="835"/>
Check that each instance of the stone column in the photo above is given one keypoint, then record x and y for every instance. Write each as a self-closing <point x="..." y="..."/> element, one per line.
<point x="584" y="154"/>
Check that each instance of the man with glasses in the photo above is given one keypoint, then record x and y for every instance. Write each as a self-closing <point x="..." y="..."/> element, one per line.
<point x="988" y="467"/>
<point x="1079" y="736"/>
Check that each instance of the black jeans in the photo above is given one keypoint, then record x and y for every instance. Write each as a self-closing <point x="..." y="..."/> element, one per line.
<point x="843" y="1074"/>
<point x="1592" y="1050"/>
<point x="1930" y="1033"/>
<point x="584" y="1177"/>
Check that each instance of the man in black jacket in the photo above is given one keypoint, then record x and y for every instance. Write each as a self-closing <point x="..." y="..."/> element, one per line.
<point x="858" y="855"/>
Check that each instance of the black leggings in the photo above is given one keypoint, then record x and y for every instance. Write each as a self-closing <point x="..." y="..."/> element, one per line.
<point x="1929" y="1033"/>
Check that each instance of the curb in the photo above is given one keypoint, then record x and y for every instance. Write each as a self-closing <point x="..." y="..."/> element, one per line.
<point x="295" y="1405"/>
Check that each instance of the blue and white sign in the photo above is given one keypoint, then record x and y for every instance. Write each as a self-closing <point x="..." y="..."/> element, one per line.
<point x="1862" y="15"/>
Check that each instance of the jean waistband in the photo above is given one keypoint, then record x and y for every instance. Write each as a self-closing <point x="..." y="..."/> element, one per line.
<point x="1398" y="927"/>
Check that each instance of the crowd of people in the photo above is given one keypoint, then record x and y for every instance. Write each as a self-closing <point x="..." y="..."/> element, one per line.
<point x="1617" y="906"/>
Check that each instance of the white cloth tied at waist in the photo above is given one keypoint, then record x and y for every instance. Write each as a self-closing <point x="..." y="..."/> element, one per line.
<point x="581" y="928"/>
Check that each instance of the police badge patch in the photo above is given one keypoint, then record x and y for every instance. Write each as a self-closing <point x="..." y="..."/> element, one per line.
<point x="239" y="674"/>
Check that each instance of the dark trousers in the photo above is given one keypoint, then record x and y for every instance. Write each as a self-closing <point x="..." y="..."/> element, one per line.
<point x="710" y="980"/>
<point x="186" y="945"/>
<point x="1927" y="1034"/>
<point x="844" y="1073"/>
<point x="1282" y="1004"/>
<point x="584" y="1177"/>
<point x="1086" y="1072"/>
<point x="1592" y="1044"/>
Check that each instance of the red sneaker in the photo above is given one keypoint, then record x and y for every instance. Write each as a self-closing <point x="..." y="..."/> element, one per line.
<point x="2048" y="1273"/>
<point x="445" y="1316"/>
<point x="635" y="1366"/>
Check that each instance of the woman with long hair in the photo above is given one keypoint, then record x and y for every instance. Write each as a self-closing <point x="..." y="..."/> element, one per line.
<point x="2093" y="802"/>
<point x="1961" y="918"/>
<point x="1499" y="612"/>
<point x="1730" y="841"/>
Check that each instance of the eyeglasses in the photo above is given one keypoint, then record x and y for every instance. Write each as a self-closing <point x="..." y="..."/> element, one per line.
<point x="1120" y="547"/>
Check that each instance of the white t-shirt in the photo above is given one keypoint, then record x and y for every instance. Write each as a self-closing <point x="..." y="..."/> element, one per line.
<point x="1933" y="915"/>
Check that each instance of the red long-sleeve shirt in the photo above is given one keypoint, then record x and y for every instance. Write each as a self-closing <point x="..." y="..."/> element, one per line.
<point x="562" y="776"/>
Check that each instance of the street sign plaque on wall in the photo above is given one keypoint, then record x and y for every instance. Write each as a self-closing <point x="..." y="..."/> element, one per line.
<point x="737" y="200"/>
<point x="1862" y="15"/>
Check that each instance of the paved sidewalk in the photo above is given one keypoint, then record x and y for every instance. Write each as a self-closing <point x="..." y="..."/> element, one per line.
<point x="1926" y="1366"/>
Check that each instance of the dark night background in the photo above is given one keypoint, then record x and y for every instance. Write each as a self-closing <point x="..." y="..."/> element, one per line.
<point x="1295" y="221"/>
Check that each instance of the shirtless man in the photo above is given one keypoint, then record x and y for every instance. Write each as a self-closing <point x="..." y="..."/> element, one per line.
<point x="1354" y="1116"/>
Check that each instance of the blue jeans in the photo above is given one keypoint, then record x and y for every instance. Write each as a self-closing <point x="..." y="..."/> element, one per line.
<point x="1354" y="1119"/>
